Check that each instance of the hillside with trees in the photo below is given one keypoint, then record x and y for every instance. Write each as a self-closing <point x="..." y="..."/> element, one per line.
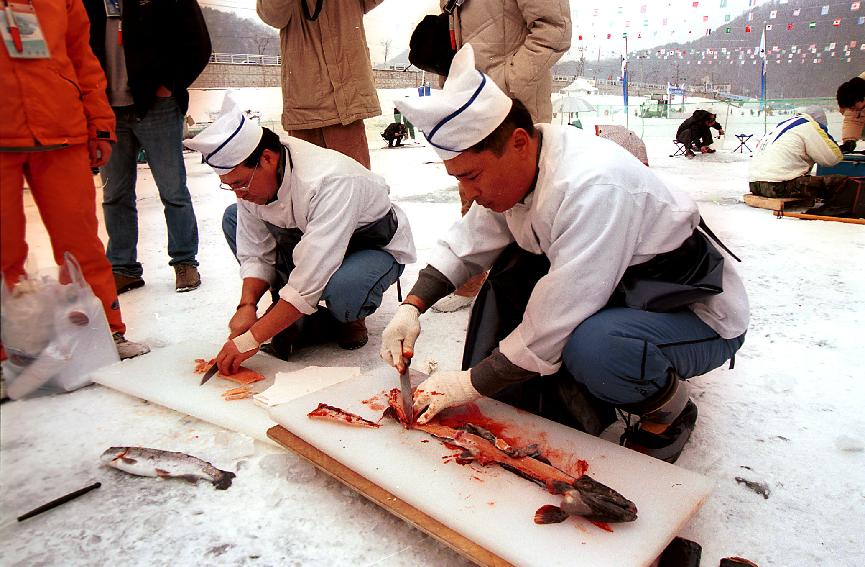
<point x="232" y="34"/>
<point x="803" y="59"/>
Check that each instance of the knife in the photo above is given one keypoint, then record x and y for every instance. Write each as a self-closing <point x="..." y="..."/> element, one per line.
<point x="209" y="374"/>
<point x="405" y="392"/>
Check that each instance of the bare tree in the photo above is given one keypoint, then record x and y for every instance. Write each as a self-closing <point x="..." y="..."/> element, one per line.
<point x="386" y="45"/>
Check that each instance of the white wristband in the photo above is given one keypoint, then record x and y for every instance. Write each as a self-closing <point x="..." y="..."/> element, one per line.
<point x="245" y="342"/>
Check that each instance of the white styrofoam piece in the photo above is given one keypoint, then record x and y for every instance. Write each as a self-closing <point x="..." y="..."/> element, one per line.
<point x="288" y="386"/>
<point x="166" y="376"/>
<point x="491" y="506"/>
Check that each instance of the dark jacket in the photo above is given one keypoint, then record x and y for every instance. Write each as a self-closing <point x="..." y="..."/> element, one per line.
<point x="165" y="43"/>
<point x="696" y="124"/>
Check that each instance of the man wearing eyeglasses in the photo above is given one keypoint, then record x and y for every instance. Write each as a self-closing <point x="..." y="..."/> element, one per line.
<point x="311" y="225"/>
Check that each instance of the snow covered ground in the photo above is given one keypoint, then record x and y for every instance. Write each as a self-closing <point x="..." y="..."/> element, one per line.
<point x="788" y="416"/>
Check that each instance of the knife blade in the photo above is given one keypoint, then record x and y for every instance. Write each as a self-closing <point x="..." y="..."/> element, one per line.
<point x="405" y="392"/>
<point x="209" y="374"/>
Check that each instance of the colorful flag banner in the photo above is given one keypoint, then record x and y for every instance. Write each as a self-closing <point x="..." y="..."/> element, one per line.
<point x="824" y="10"/>
<point x="836" y="22"/>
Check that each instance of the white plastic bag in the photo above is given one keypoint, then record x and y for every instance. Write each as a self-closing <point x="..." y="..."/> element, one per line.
<point x="55" y="334"/>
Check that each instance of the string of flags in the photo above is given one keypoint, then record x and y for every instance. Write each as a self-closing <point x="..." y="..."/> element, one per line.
<point x="789" y="19"/>
<point x="812" y="53"/>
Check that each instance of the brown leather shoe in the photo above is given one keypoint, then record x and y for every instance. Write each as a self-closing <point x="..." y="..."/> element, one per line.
<point x="352" y="335"/>
<point x="186" y="277"/>
<point x="124" y="283"/>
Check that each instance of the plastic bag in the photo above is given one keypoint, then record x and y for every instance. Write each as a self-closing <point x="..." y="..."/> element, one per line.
<point x="55" y="335"/>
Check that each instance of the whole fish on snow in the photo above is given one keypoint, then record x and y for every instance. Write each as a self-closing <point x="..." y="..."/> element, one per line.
<point x="141" y="461"/>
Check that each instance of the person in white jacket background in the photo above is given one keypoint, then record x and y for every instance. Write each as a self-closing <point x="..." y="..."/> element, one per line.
<point x="592" y="210"/>
<point x="783" y="158"/>
<point x="310" y="224"/>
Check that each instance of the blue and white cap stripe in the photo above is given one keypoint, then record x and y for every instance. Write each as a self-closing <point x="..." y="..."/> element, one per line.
<point x="229" y="140"/>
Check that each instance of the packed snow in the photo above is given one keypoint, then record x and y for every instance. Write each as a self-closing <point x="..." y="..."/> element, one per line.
<point x="787" y="418"/>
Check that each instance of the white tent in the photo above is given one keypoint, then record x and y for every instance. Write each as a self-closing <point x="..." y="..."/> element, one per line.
<point x="580" y="86"/>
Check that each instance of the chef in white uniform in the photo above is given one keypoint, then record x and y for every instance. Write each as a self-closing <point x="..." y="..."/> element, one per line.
<point x="310" y="223"/>
<point x="593" y="210"/>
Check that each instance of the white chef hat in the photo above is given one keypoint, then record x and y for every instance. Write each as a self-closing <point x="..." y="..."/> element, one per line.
<point x="229" y="140"/>
<point x="469" y="107"/>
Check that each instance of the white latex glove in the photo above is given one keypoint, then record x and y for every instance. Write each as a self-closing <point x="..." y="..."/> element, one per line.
<point x="443" y="390"/>
<point x="397" y="341"/>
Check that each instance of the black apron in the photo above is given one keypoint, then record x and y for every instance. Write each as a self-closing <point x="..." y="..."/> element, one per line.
<point x="667" y="282"/>
<point x="375" y="235"/>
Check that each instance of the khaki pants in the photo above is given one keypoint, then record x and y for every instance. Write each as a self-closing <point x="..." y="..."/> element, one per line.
<point x="348" y="139"/>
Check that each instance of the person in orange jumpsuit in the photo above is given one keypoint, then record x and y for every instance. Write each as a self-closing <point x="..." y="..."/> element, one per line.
<point x="56" y="126"/>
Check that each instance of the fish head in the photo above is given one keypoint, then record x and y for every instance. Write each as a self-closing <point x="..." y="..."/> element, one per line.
<point x="112" y="454"/>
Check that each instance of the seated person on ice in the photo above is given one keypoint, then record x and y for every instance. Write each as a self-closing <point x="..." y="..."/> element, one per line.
<point x="694" y="132"/>
<point x="783" y="158"/>
<point x="571" y="226"/>
<point x="851" y="102"/>
<point x="309" y="223"/>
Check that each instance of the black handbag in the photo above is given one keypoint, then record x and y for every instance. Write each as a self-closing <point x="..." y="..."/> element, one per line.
<point x="430" y="47"/>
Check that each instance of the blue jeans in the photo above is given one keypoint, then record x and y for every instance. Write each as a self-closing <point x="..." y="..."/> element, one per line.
<point x="623" y="355"/>
<point x="160" y="133"/>
<point x="357" y="287"/>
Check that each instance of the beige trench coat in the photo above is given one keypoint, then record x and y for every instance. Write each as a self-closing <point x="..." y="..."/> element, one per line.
<point x="326" y="71"/>
<point x="516" y="43"/>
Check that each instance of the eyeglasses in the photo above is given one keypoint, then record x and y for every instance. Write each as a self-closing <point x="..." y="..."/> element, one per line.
<point x="244" y="187"/>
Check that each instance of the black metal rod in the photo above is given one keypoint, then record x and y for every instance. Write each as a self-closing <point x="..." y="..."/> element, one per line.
<point x="59" y="501"/>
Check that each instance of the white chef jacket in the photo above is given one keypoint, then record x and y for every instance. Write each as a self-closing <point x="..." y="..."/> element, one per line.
<point x="595" y="211"/>
<point x="327" y="196"/>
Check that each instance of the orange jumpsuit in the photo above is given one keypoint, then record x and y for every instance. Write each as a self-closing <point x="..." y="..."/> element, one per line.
<point x="52" y="108"/>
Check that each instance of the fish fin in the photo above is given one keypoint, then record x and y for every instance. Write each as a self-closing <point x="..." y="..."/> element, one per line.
<point x="549" y="514"/>
<point x="127" y="460"/>
<point x="191" y="478"/>
<point x="224" y="479"/>
<point x="163" y="473"/>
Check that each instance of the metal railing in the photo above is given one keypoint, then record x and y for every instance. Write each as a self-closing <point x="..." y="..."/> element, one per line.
<point x="245" y="59"/>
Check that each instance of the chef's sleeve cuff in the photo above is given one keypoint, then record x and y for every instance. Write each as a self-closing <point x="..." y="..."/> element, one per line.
<point x="431" y="285"/>
<point x="496" y="372"/>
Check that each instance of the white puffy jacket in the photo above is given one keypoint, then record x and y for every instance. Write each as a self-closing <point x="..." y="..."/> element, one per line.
<point x="790" y="150"/>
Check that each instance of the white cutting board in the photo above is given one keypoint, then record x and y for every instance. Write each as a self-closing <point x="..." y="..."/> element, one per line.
<point x="166" y="376"/>
<point x="491" y="506"/>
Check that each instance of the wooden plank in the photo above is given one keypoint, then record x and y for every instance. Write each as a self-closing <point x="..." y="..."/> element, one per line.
<point x="819" y="217"/>
<point x="774" y="203"/>
<point x="385" y="499"/>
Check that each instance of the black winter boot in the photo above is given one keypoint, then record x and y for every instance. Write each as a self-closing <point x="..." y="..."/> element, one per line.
<point x="672" y="408"/>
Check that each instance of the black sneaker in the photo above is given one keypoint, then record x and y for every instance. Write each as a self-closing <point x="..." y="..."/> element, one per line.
<point x="666" y="446"/>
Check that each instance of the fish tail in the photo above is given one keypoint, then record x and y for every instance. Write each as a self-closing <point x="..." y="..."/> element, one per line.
<point x="223" y="480"/>
<point x="549" y="514"/>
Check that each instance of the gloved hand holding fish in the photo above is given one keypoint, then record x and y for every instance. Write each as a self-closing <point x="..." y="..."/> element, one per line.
<point x="141" y="461"/>
<point x="441" y="391"/>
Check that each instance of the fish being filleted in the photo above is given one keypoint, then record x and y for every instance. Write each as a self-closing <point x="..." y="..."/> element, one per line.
<point x="165" y="464"/>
